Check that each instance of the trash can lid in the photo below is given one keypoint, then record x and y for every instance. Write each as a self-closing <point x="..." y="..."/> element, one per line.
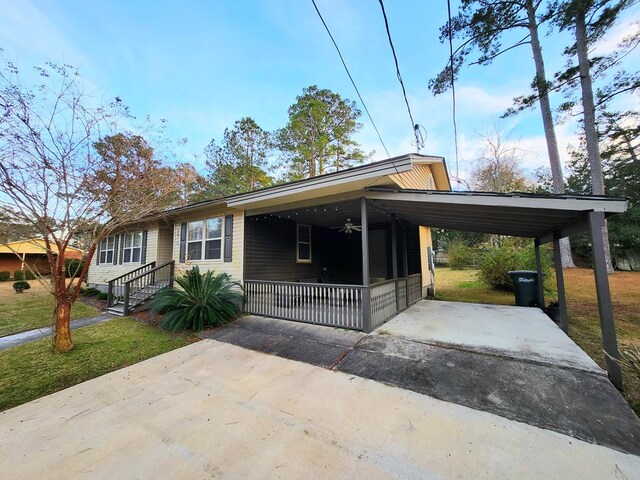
<point x="524" y="272"/>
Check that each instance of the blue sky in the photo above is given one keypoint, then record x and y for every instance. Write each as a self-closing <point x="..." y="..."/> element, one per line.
<point x="202" y="65"/>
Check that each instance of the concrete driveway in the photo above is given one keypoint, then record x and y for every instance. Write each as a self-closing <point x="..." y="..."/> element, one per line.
<point x="215" y="410"/>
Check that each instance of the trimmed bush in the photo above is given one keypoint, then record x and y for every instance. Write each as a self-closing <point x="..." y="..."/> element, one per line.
<point x="4" y="276"/>
<point x="497" y="262"/>
<point x="18" y="275"/>
<point x="20" y="286"/>
<point x="28" y="275"/>
<point x="204" y="299"/>
<point x="74" y="267"/>
<point x="462" y="256"/>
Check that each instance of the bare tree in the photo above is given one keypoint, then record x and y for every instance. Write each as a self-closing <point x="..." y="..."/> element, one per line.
<point x="499" y="167"/>
<point x="52" y="177"/>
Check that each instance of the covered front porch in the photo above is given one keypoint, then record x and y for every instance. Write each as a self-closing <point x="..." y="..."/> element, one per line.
<point x="346" y="264"/>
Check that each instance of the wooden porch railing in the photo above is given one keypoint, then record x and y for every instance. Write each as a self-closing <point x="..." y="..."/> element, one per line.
<point x="331" y="304"/>
<point x="139" y="285"/>
<point x="115" y="288"/>
<point x="320" y="303"/>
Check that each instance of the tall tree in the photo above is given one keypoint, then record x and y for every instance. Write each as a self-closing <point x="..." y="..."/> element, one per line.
<point x="589" y="20"/>
<point x="483" y="25"/>
<point x="241" y="162"/>
<point x="318" y="137"/>
<point x="52" y="177"/>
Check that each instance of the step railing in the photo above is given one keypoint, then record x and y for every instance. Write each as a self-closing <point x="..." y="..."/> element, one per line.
<point x="115" y="288"/>
<point x="146" y="284"/>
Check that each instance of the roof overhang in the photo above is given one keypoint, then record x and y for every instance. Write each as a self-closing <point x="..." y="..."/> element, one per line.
<point x="514" y="214"/>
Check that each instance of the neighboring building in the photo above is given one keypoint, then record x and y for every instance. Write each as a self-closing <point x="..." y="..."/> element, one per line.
<point x="33" y="253"/>
<point x="296" y="247"/>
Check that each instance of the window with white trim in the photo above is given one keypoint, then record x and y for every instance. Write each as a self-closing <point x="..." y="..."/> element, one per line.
<point x="105" y="250"/>
<point x="132" y="247"/>
<point x="303" y="241"/>
<point x="204" y="239"/>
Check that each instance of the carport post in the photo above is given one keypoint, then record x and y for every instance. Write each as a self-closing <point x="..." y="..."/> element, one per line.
<point x="605" y="308"/>
<point x="366" y="292"/>
<point x="562" y="299"/>
<point x="405" y="260"/>
<point x="536" y="244"/>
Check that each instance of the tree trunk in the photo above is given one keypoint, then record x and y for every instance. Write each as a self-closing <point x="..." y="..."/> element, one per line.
<point x="547" y="122"/>
<point x="589" y="113"/>
<point x="63" y="341"/>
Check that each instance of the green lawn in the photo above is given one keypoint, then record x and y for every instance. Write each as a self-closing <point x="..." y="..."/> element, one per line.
<point x="33" y="370"/>
<point x="32" y="309"/>
<point x="584" y="323"/>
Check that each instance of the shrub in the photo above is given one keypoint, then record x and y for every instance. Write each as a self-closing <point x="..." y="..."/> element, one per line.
<point x="18" y="275"/>
<point x="74" y="266"/>
<point x="101" y="296"/>
<point x="497" y="262"/>
<point x="461" y="255"/>
<point x="28" y="275"/>
<point x="20" y="286"/>
<point x="89" y="292"/>
<point x="202" y="300"/>
<point x="4" y="276"/>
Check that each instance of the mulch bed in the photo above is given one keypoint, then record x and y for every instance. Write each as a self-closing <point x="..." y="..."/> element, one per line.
<point x="94" y="302"/>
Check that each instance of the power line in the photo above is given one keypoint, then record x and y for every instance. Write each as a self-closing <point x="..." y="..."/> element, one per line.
<point x="453" y="90"/>
<point x="414" y="125"/>
<point x="364" y="105"/>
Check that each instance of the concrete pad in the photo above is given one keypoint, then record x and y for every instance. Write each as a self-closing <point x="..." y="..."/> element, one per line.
<point x="517" y="332"/>
<point x="569" y="401"/>
<point x="216" y="410"/>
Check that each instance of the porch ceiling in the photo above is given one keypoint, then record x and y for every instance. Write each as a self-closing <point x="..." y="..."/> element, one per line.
<point x="521" y="215"/>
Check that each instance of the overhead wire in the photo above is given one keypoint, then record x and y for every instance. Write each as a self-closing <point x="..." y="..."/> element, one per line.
<point x="453" y="91"/>
<point x="414" y="125"/>
<point x="344" y="64"/>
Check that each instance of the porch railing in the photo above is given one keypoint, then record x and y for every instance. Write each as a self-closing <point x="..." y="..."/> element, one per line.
<point x="331" y="304"/>
<point x="324" y="304"/>
<point x="115" y="288"/>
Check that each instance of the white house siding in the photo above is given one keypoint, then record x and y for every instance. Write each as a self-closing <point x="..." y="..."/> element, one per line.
<point x="233" y="268"/>
<point x="99" y="275"/>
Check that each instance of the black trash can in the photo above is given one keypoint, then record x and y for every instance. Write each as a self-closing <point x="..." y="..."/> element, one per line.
<point x="525" y="287"/>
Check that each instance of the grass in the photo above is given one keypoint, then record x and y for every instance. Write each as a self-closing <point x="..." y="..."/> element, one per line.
<point x="584" y="323"/>
<point x="32" y="309"/>
<point x="33" y="370"/>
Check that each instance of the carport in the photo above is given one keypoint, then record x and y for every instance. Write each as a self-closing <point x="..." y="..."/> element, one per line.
<point x="543" y="218"/>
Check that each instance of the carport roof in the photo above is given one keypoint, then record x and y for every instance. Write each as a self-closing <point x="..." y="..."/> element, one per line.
<point x="514" y="214"/>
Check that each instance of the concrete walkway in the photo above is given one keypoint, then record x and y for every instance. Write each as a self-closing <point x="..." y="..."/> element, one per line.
<point x="517" y="385"/>
<point x="39" y="333"/>
<point x="214" y="410"/>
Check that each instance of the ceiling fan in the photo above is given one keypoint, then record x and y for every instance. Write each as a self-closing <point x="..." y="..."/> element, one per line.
<point x="348" y="227"/>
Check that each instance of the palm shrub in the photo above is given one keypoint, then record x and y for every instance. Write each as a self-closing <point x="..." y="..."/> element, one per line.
<point x="202" y="300"/>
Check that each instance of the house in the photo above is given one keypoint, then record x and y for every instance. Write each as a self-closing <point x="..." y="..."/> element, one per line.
<point x="31" y="253"/>
<point x="348" y="249"/>
<point x="296" y="248"/>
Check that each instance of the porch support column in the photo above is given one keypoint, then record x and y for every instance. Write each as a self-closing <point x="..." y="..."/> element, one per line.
<point x="394" y="247"/>
<point x="405" y="260"/>
<point x="366" y="293"/>
<point x="562" y="299"/>
<point x="605" y="308"/>
<point x="540" y="274"/>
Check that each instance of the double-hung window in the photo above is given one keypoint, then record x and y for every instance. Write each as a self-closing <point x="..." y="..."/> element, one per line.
<point x="131" y="247"/>
<point x="303" y="254"/>
<point x="105" y="252"/>
<point x="204" y="239"/>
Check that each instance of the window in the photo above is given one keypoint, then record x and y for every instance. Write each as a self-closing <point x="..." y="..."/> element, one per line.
<point x="132" y="247"/>
<point x="204" y="235"/>
<point x="213" y="242"/>
<point x="304" y="244"/>
<point x="105" y="252"/>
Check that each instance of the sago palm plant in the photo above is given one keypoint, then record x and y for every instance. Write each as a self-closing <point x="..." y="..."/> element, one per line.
<point x="201" y="300"/>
